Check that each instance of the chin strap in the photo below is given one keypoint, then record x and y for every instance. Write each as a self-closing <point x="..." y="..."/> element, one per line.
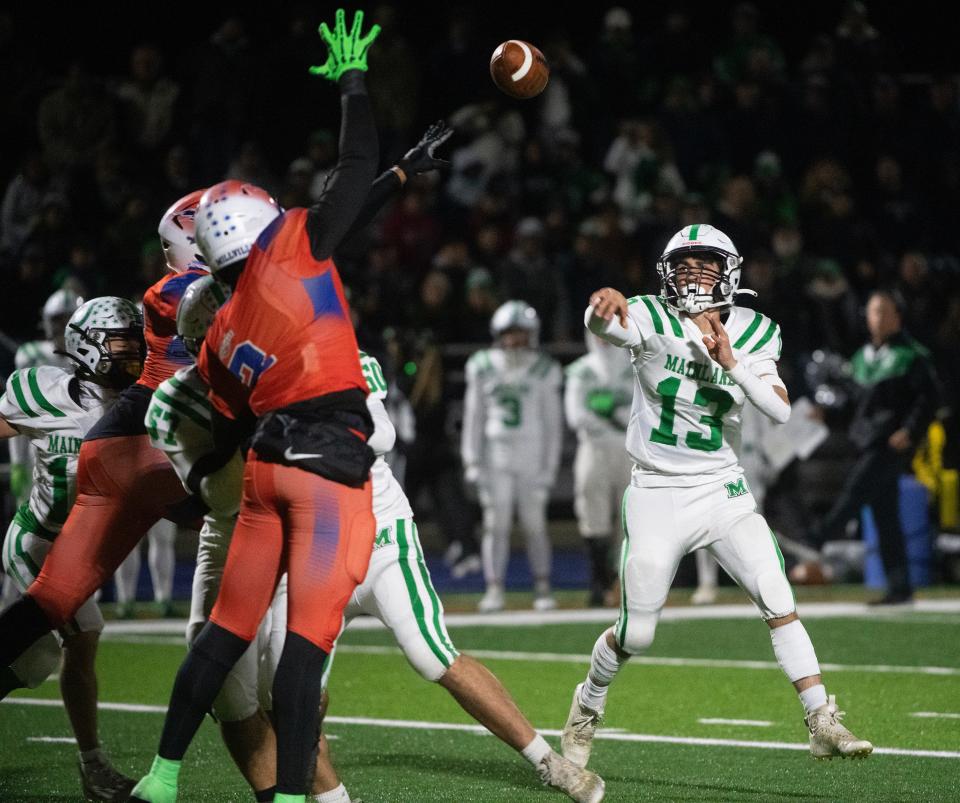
<point x="745" y="293"/>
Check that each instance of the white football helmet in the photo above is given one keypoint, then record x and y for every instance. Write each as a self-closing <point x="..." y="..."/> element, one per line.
<point x="57" y="310"/>
<point x="177" y="232"/>
<point x="684" y="292"/>
<point x="230" y="217"/>
<point x="197" y="309"/>
<point x="105" y="338"/>
<point x="516" y="315"/>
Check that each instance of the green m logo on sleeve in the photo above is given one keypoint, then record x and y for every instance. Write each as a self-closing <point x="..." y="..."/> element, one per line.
<point x="735" y="489"/>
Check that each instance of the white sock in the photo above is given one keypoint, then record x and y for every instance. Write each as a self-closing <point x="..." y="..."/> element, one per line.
<point x="338" y="795"/>
<point x="536" y="750"/>
<point x="86" y="756"/>
<point x="794" y="651"/>
<point x="813" y="698"/>
<point x="604" y="665"/>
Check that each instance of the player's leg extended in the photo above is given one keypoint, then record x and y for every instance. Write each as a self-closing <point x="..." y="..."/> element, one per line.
<point x="706" y="592"/>
<point x="593" y="507"/>
<point x="245" y="728"/>
<point x="330" y="532"/>
<point x="496" y="492"/>
<point x="532" y="499"/>
<point x="748" y="551"/>
<point x="398" y="591"/>
<point x="123" y="484"/>
<point x="249" y="579"/>
<point x="651" y="551"/>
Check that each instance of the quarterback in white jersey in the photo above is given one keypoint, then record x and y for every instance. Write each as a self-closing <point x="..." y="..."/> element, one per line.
<point x="510" y="446"/>
<point x="55" y="408"/>
<point x="397" y="588"/>
<point x="697" y="359"/>
<point x="596" y="400"/>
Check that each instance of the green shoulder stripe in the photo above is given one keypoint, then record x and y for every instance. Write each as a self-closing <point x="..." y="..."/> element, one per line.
<point x="633" y="300"/>
<point x="19" y="396"/>
<point x="657" y="323"/>
<point x="674" y="323"/>
<point x="481" y="361"/>
<point x="542" y="366"/>
<point x="40" y="398"/>
<point x="772" y="329"/>
<point x="749" y="331"/>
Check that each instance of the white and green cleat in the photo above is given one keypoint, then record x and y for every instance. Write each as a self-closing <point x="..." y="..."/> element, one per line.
<point x="576" y="741"/>
<point x="829" y="738"/>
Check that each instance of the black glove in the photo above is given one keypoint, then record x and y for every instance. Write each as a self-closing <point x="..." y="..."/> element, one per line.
<point x="420" y="158"/>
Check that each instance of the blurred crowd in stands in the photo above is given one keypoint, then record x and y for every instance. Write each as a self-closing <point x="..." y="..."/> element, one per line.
<point x="835" y="169"/>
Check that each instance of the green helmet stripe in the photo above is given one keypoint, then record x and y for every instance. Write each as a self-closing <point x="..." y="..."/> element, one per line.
<point x="693" y="231"/>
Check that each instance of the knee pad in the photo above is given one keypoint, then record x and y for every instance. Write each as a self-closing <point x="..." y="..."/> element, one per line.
<point x="39" y="662"/>
<point x="775" y="597"/>
<point x="636" y="634"/>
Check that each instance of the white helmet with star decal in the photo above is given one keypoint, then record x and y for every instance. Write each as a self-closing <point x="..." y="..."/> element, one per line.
<point x="105" y="338"/>
<point x="692" y="289"/>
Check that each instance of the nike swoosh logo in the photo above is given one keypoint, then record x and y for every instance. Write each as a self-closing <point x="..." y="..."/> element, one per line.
<point x="291" y="455"/>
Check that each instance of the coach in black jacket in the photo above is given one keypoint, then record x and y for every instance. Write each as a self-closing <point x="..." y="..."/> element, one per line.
<point x="896" y="394"/>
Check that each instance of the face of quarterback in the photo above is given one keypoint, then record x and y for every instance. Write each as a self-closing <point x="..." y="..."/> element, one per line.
<point x="515" y="338"/>
<point x="702" y="271"/>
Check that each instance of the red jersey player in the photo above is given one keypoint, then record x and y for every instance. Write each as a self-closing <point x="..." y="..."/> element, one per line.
<point x="124" y="486"/>
<point x="282" y="363"/>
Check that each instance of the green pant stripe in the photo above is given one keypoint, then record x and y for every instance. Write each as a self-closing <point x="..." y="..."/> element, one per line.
<point x="40" y="398"/>
<point x="184" y="409"/>
<point x="438" y="622"/>
<point x="186" y="390"/>
<point x="21" y="399"/>
<point x="783" y="569"/>
<point x="24" y="556"/>
<point x="621" y="629"/>
<point x="415" y="601"/>
<point x="657" y="323"/>
<point x="12" y="570"/>
<point x="748" y="332"/>
<point x="674" y="323"/>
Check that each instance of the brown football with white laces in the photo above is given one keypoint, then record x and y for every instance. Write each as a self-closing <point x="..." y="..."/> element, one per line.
<point x="519" y="69"/>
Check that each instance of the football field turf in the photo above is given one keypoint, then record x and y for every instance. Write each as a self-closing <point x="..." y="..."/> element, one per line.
<point x="706" y="715"/>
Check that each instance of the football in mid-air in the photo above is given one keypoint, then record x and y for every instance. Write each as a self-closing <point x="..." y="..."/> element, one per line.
<point x="519" y="69"/>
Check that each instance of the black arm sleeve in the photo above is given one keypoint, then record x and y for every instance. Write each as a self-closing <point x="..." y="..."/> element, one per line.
<point x="347" y="186"/>
<point x="382" y="190"/>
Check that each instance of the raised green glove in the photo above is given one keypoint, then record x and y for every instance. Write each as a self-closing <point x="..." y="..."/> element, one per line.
<point x="346" y="51"/>
<point x="601" y="402"/>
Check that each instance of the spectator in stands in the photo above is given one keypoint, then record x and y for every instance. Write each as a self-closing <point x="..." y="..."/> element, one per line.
<point x="22" y="203"/>
<point x="148" y="101"/>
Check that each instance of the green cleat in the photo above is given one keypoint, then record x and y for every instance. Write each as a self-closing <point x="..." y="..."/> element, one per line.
<point x="159" y="785"/>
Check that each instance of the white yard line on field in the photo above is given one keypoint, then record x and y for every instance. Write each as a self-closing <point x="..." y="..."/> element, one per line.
<point x="753" y="723"/>
<point x="934" y="715"/>
<point x="651" y="660"/>
<point x="584" y="658"/>
<point x="807" y="610"/>
<point x="412" y="724"/>
<point x="52" y="739"/>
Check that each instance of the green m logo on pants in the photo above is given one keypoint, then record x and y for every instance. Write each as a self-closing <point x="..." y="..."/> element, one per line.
<point x="735" y="489"/>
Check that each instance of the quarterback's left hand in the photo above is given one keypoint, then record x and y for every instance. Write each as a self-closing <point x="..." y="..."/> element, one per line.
<point x="717" y="341"/>
<point x="421" y="157"/>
